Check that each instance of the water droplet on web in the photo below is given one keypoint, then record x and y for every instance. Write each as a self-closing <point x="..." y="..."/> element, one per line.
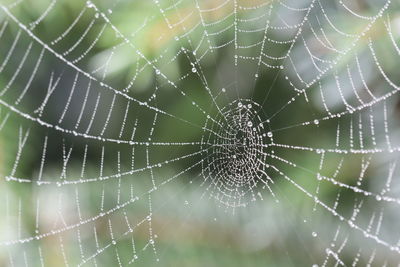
<point x="314" y="234"/>
<point x="89" y="4"/>
<point x="245" y="149"/>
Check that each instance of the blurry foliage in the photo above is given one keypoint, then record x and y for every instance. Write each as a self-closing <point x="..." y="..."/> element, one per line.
<point x="200" y="242"/>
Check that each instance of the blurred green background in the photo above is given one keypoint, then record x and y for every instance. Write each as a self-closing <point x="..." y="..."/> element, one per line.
<point x="129" y="48"/>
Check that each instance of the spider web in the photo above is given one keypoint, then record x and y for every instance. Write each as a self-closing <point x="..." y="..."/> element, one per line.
<point x="248" y="104"/>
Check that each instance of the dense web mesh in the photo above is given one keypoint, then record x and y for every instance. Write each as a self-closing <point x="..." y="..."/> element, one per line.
<point x="283" y="113"/>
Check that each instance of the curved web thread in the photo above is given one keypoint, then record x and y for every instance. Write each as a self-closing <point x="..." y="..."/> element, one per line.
<point x="77" y="116"/>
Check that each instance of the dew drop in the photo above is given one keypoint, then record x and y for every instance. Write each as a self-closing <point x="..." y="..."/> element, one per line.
<point x="314" y="234"/>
